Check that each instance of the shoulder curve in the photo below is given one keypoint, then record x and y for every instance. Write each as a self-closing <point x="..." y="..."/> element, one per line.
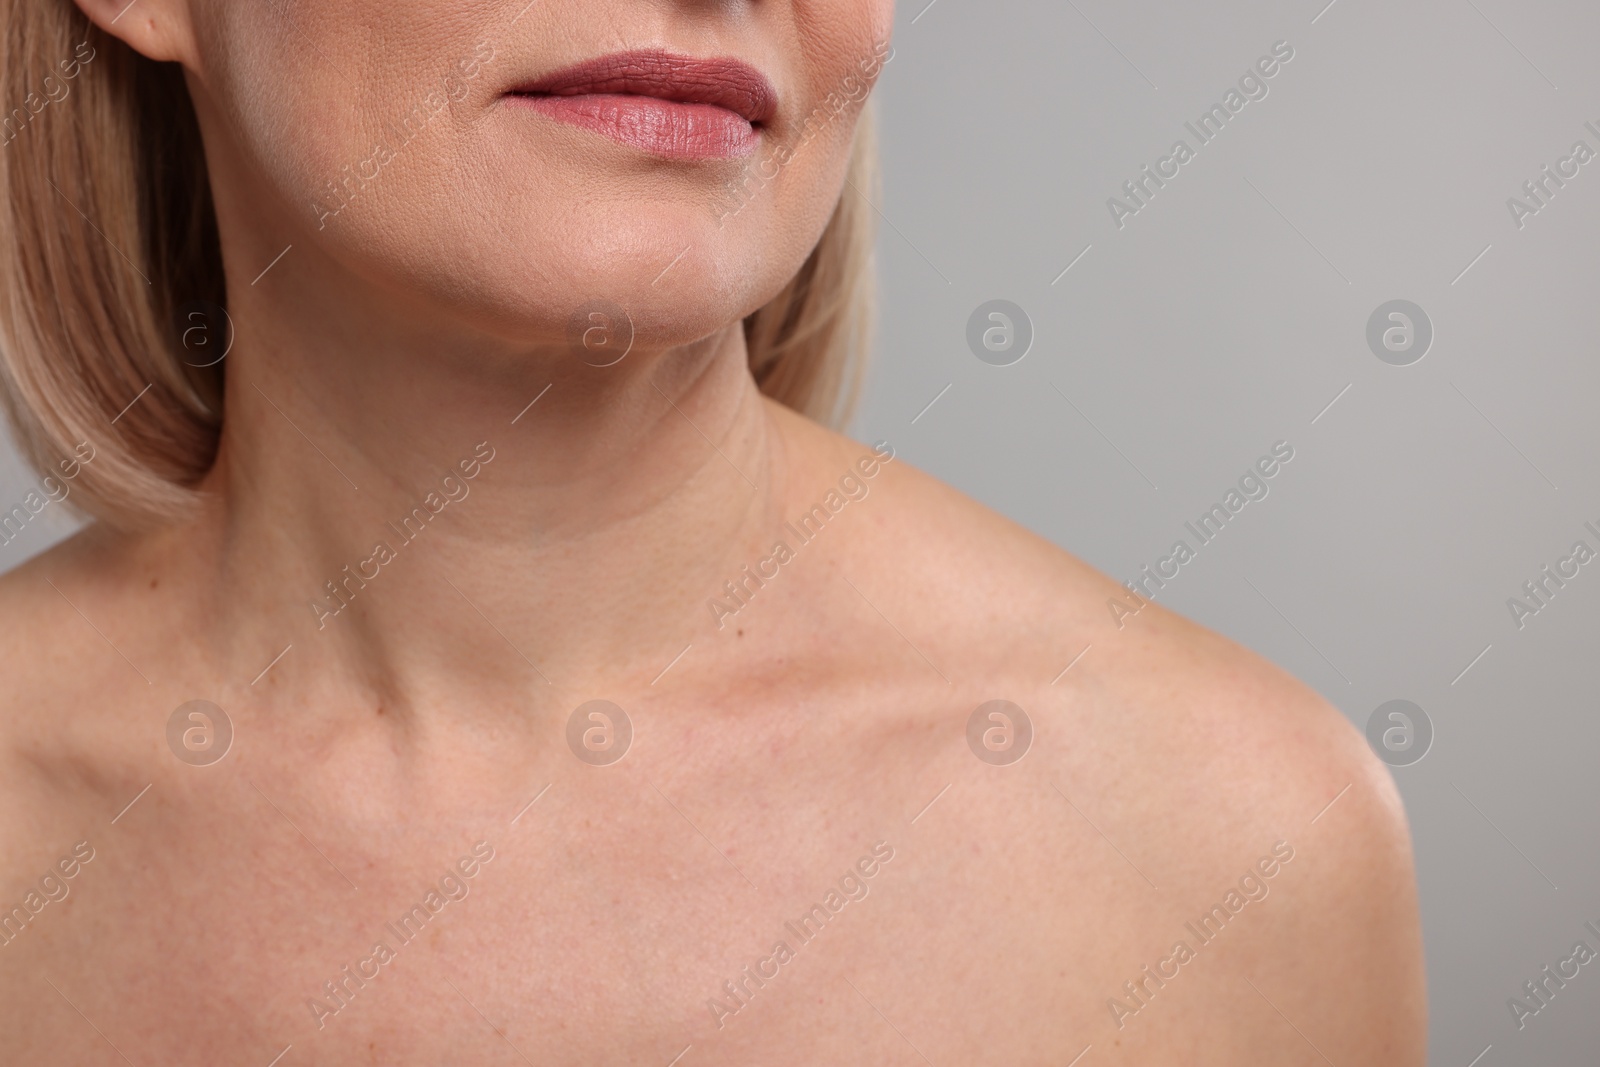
<point x="48" y="652"/>
<point x="1194" y="741"/>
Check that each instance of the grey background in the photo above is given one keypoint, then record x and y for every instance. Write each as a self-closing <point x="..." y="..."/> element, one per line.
<point x="1225" y="316"/>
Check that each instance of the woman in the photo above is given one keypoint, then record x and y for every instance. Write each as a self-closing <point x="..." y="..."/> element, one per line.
<point x="482" y="656"/>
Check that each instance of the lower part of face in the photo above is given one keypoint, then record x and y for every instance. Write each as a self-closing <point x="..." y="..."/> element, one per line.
<point x="419" y="145"/>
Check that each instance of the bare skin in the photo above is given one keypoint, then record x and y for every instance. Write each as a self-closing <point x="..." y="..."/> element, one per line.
<point x="416" y="739"/>
<point x="804" y="732"/>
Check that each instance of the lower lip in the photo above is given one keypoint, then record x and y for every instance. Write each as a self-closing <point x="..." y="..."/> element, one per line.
<point x="664" y="128"/>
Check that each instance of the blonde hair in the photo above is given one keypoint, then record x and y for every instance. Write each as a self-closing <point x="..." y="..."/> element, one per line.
<point x="104" y="191"/>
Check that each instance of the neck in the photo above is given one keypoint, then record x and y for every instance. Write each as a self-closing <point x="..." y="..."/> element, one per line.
<point x="415" y="524"/>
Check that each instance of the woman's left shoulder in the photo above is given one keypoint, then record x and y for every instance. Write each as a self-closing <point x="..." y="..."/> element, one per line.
<point x="1011" y="602"/>
<point x="993" y="600"/>
<point x="1203" y="751"/>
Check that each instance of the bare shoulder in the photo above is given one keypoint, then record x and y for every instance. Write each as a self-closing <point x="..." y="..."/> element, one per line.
<point x="67" y="688"/>
<point x="45" y="636"/>
<point x="1202" y="752"/>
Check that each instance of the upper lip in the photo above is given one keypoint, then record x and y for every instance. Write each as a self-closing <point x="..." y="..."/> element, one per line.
<point x="723" y="81"/>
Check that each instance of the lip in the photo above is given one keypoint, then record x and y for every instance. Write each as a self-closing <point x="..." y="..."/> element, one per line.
<point x="664" y="103"/>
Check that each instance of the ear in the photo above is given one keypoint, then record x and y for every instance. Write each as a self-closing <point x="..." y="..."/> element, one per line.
<point x="162" y="30"/>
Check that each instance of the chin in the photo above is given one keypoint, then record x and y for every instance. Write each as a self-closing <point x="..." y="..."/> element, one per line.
<point x="676" y="274"/>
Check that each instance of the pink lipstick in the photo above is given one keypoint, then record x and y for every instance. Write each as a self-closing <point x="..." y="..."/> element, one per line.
<point x="670" y="105"/>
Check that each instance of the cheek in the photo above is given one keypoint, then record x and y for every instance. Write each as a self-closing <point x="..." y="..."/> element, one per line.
<point x="287" y="110"/>
<point x="838" y="47"/>
<point x="311" y="88"/>
<point x="773" y="214"/>
<point x="353" y="126"/>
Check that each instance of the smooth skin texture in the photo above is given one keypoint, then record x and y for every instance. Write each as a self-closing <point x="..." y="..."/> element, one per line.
<point x="770" y="754"/>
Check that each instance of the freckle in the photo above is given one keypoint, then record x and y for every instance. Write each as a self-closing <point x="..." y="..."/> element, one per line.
<point x="741" y="633"/>
<point x="380" y="710"/>
<point x="153" y="582"/>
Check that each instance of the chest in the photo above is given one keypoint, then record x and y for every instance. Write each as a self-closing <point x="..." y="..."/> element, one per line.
<point x="590" y="919"/>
